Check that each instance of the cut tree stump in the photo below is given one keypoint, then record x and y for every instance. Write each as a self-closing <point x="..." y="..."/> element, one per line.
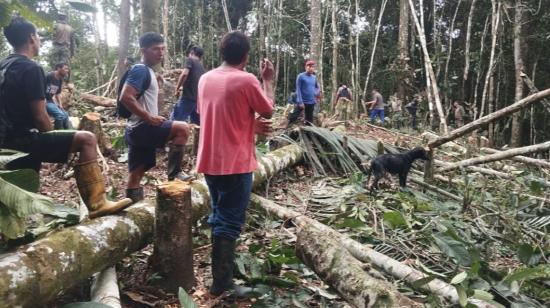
<point x="91" y="122"/>
<point x="336" y="267"/>
<point x="173" y="244"/>
<point x="98" y="100"/>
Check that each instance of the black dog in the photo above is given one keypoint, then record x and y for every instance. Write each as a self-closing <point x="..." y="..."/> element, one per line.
<point x="395" y="164"/>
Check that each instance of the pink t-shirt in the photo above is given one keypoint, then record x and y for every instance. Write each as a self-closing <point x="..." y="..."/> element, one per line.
<point x="226" y="102"/>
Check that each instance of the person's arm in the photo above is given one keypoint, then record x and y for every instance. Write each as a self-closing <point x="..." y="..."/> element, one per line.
<point x="299" y="100"/>
<point x="181" y="80"/>
<point x="40" y="116"/>
<point x="128" y="99"/>
<point x="267" y="76"/>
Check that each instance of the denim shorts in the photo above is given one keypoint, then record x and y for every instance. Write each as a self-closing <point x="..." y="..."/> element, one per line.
<point x="143" y="141"/>
<point x="230" y="196"/>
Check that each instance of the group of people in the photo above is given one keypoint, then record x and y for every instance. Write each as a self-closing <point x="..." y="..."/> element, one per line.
<point x="230" y="104"/>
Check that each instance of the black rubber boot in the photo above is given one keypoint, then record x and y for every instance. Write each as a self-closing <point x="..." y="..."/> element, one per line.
<point x="136" y="194"/>
<point x="58" y="124"/>
<point x="175" y="155"/>
<point x="223" y="257"/>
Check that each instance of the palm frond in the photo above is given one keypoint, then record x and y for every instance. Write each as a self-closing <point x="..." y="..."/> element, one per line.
<point x="22" y="203"/>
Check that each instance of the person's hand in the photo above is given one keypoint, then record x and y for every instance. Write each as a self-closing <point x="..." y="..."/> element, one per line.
<point x="263" y="127"/>
<point x="301" y="106"/>
<point x="155" y="120"/>
<point x="267" y="70"/>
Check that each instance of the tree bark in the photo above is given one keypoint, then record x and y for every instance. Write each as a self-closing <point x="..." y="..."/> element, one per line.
<point x="522" y="159"/>
<point x="430" y="72"/>
<point x="97" y="39"/>
<point x="150" y="16"/>
<point x="316" y="29"/>
<point x="449" y="53"/>
<point x="518" y="61"/>
<point x="380" y="15"/>
<point x="124" y="37"/>
<point x="531" y="85"/>
<point x="487" y="90"/>
<point x="531" y="99"/>
<point x="98" y="100"/>
<point x="335" y="39"/>
<point x="91" y="122"/>
<point x="35" y="274"/>
<point x="366" y="254"/>
<point x="173" y="244"/>
<point x="498" y="156"/>
<point x="165" y="33"/>
<point x="468" y="40"/>
<point x="338" y="268"/>
<point x="403" y="57"/>
<point x="104" y="288"/>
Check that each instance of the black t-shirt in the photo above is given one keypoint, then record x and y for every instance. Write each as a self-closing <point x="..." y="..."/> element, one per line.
<point x="53" y="86"/>
<point x="24" y="83"/>
<point x="191" y="85"/>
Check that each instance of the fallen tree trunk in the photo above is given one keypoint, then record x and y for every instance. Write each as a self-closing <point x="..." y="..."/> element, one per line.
<point x="36" y="273"/>
<point x="522" y="159"/>
<point x="104" y="288"/>
<point x="369" y="255"/>
<point x="98" y="100"/>
<point x="481" y="170"/>
<point x="344" y="273"/>
<point x="498" y="156"/>
<point x="517" y="106"/>
<point x="533" y="89"/>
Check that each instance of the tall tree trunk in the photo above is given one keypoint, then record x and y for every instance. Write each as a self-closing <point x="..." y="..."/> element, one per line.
<point x="467" y="48"/>
<point x="478" y="73"/>
<point x="495" y="22"/>
<point x="123" y="37"/>
<point x="449" y="53"/>
<point x="352" y="61"/>
<point x="279" y="43"/>
<point x="97" y="39"/>
<point x="403" y="48"/>
<point x="518" y="61"/>
<point x="261" y="29"/>
<point x="335" y="40"/>
<point x="166" y="31"/>
<point x="200" y="14"/>
<point x="357" y="58"/>
<point x="316" y="35"/>
<point x="380" y="15"/>
<point x="431" y="74"/>
<point x="150" y="15"/>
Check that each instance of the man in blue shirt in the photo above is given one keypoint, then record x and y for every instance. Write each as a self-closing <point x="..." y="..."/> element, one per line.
<point x="307" y="90"/>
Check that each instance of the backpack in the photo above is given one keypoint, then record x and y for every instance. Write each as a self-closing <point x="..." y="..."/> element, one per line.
<point x="344" y="93"/>
<point x="121" y="110"/>
<point x="5" y="124"/>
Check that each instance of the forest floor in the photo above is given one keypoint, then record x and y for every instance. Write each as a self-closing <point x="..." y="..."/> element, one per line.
<point x="266" y="257"/>
<point x="137" y="281"/>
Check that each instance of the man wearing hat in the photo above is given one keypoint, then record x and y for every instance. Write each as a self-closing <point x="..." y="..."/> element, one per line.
<point x="307" y="89"/>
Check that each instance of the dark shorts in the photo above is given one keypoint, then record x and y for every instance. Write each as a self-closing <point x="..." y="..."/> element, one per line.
<point x="49" y="147"/>
<point x="143" y="140"/>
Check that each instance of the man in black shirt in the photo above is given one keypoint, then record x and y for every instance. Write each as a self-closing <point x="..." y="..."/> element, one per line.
<point x="187" y="86"/>
<point x="28" y="127"/>
<point x="54" y="84"/>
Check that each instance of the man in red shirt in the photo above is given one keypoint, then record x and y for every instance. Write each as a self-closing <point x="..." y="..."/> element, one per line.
<point x="228" y="99"/>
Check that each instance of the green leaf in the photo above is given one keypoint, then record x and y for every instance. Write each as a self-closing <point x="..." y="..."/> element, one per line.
<point x="10" y="225"/>
<point x="185" y="300"/>
<point x="482" y="295"/>
<point x="395" y="219"/>
<point x="459" y="278"/>
<point x="422" y="281"/>
<point x="26" y="179"/>
<point x="21" y="202"/>
<point x="528" y="254"/>
<point x="453" y="248"/>
<point x="351" y="223"/>
<point x="7" y="156"/>
<point x="462" y="296"/>
<point x="530" y="273"/>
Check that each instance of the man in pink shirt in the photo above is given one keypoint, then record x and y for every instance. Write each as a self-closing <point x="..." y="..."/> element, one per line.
<point x="228" y="99"/>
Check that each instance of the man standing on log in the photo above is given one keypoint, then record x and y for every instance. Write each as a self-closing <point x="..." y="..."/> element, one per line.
<point x="146" y="130"/>
<point x="54" y="85"/>
<point x="307" y="92"/>
<point x="228" y="99"/>
<point x="28" y="128"/>
<point x="188" y="83"/>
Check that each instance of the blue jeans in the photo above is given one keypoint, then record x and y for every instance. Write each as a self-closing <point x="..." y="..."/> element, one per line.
<point x="185" y="109"/>
<point x="56" y="112"/>
<point x="230" y="196"/>
<point x="377" y="112"/>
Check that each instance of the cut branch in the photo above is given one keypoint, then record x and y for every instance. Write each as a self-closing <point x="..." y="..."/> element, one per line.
<point x="98" y="100"/>
<point x="531" y="99"/>
<point x="522" y="159"/>
<point x="498" y="156"/>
